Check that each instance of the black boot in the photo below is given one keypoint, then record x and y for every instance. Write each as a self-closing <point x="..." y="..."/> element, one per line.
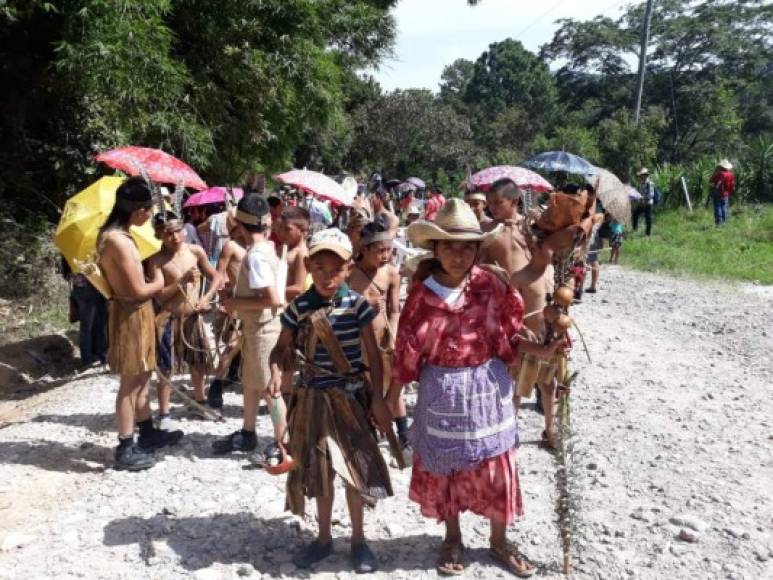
<point x="151" y="438"/>
<point x="215" y="394"/>
<point x="130" y="457"/>
<point x="240" y="440"/>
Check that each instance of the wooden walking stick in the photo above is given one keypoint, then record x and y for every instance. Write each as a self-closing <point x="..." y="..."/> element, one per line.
<point x="190" y="401"/>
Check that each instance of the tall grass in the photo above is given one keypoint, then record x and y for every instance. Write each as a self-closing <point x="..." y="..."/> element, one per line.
<point x="690" y="243"/>
<point x="752" y="165"/>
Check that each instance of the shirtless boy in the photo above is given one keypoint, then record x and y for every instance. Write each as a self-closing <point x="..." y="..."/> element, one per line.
<point x="132" y="350"/>
<point x="380" y="209"/>
<point x="477" y="201"/>
<point x="529" y="269"/>
<point x="293" y="228"/>
<point x="378" y="281"/>
<point x="225" y="326"/>
<point x="182" y="340"/>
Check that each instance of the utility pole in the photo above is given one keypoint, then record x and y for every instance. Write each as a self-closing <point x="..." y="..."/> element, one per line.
<point x="645" y="40"/>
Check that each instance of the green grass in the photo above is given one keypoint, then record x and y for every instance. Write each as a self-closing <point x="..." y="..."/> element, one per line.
<point x="690" y="243"/>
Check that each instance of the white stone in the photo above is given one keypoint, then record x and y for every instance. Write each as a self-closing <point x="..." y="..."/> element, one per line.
<point x="15" y="540"/>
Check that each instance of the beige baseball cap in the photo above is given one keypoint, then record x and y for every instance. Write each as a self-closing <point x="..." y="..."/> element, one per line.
<point x="331" y="240"/>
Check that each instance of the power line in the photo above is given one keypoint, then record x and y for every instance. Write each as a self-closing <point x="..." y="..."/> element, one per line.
<point x="541" y="16"/>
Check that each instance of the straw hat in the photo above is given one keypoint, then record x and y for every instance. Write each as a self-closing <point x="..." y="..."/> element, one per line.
<point x="725" y="164"/>
<point x="643" y="171"/>
<point x="454" y="222"/>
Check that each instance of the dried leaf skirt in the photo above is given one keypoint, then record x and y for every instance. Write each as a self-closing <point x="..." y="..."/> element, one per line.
<point x="183" y="343"/>
<point x="330" y="433"/>
<point x="132" y="337"/>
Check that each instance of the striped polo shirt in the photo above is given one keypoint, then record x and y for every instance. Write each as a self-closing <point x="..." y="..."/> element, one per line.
<point x="350" y="312"/>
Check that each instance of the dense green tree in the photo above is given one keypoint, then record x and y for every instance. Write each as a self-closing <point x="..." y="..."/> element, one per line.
<point x="704" y="57"/>
<point x="578" y="140"/>
<point x="506" y="75"/>
<point x="409" y="132"/>
<point x="454" y="81"/>
<point x="624" y="146"/>
<point x="228" y="86"/>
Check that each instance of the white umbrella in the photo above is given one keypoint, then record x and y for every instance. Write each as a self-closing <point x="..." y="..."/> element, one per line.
<point x="318" y="183"/>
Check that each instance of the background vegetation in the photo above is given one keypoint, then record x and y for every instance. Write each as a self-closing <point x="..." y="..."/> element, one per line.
<point x="238" y="85"/>
<point x="686" y="242"/>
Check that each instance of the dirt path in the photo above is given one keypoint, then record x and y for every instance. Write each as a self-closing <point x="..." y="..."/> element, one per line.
<point x="673" y="462"/>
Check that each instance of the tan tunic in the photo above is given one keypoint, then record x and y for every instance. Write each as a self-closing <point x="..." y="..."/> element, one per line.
<point x="131" y="330"/>
<point x="260" y="329"/>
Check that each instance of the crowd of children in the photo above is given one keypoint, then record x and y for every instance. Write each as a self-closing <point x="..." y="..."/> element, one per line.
<point x="317" y="323"/>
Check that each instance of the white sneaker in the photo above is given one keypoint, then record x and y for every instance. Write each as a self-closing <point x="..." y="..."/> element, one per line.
<point x="164" y="422"/>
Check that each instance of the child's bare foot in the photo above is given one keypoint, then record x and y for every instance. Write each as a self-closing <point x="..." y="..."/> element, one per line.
<point x="450" y="562"/>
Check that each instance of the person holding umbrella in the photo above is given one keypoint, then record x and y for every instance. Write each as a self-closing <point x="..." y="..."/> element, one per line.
<point x="647" y="200"/>
<point x="131" y="326"/>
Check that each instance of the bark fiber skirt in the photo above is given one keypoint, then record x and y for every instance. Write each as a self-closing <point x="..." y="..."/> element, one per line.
<point x="330" y="433"/>
<point x="492" y="490"/>
<point x="132" y="338"/>
<point x="190" y="344"/>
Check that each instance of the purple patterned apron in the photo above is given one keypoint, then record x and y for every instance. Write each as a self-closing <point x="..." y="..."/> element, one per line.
<point x="463" y="416"/>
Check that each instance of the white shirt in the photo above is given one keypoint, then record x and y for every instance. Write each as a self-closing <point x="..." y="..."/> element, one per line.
<point x="260" y="273"/>
<point x="449" y="295"/>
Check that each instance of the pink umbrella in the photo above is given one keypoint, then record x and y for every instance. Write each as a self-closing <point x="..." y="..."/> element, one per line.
<point x="523" y="178"/>
<point x="160" y="166"/>
<point x="317" y="183"/>
<point x="212" y="195"/>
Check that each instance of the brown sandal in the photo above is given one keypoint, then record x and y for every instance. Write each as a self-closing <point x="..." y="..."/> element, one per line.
<point x="450" y="553"/>
<point x="507" y="554"/>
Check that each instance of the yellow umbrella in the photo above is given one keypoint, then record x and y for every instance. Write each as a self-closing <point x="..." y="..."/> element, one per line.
<point x="84" y="213"/>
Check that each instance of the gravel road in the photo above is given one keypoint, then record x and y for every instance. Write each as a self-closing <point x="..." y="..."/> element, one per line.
<point x="672" y="466"/>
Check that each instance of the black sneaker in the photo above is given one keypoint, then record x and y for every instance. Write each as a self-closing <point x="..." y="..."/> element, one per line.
<point x="312" y="554"/>
<point x="363" y="560"/>
<point x="158" y="438"/>
<point x="215" y="395"/>
<point x="132" y="458"/>
<point x="240" y="440"/>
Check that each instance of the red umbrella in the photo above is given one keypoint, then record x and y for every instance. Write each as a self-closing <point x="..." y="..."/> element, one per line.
<point x="523" y="178"/>
<point x="160" y="167"/>
<point x="318" y="183"/>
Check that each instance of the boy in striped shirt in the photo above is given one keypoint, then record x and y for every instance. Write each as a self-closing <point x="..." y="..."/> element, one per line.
<point x="329" y="418"/>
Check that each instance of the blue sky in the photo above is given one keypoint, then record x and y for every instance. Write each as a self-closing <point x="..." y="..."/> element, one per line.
<point x="434" y="33"/>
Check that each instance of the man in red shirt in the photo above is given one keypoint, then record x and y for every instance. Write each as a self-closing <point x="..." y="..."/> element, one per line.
<point x="722" y="186"/>
<point x="434" y="203"/>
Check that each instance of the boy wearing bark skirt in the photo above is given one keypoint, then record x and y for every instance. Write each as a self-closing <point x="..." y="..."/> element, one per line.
<point x="327" y="328"/>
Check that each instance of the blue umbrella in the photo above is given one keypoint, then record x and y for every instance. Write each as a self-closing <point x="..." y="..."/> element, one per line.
<point x="552" y="161"/>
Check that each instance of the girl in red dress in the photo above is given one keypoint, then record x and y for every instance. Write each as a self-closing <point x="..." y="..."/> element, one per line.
<point x="458" y="333"/>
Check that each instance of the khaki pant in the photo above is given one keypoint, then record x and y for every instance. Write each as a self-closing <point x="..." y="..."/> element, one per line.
<point x="258" y="340"/>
